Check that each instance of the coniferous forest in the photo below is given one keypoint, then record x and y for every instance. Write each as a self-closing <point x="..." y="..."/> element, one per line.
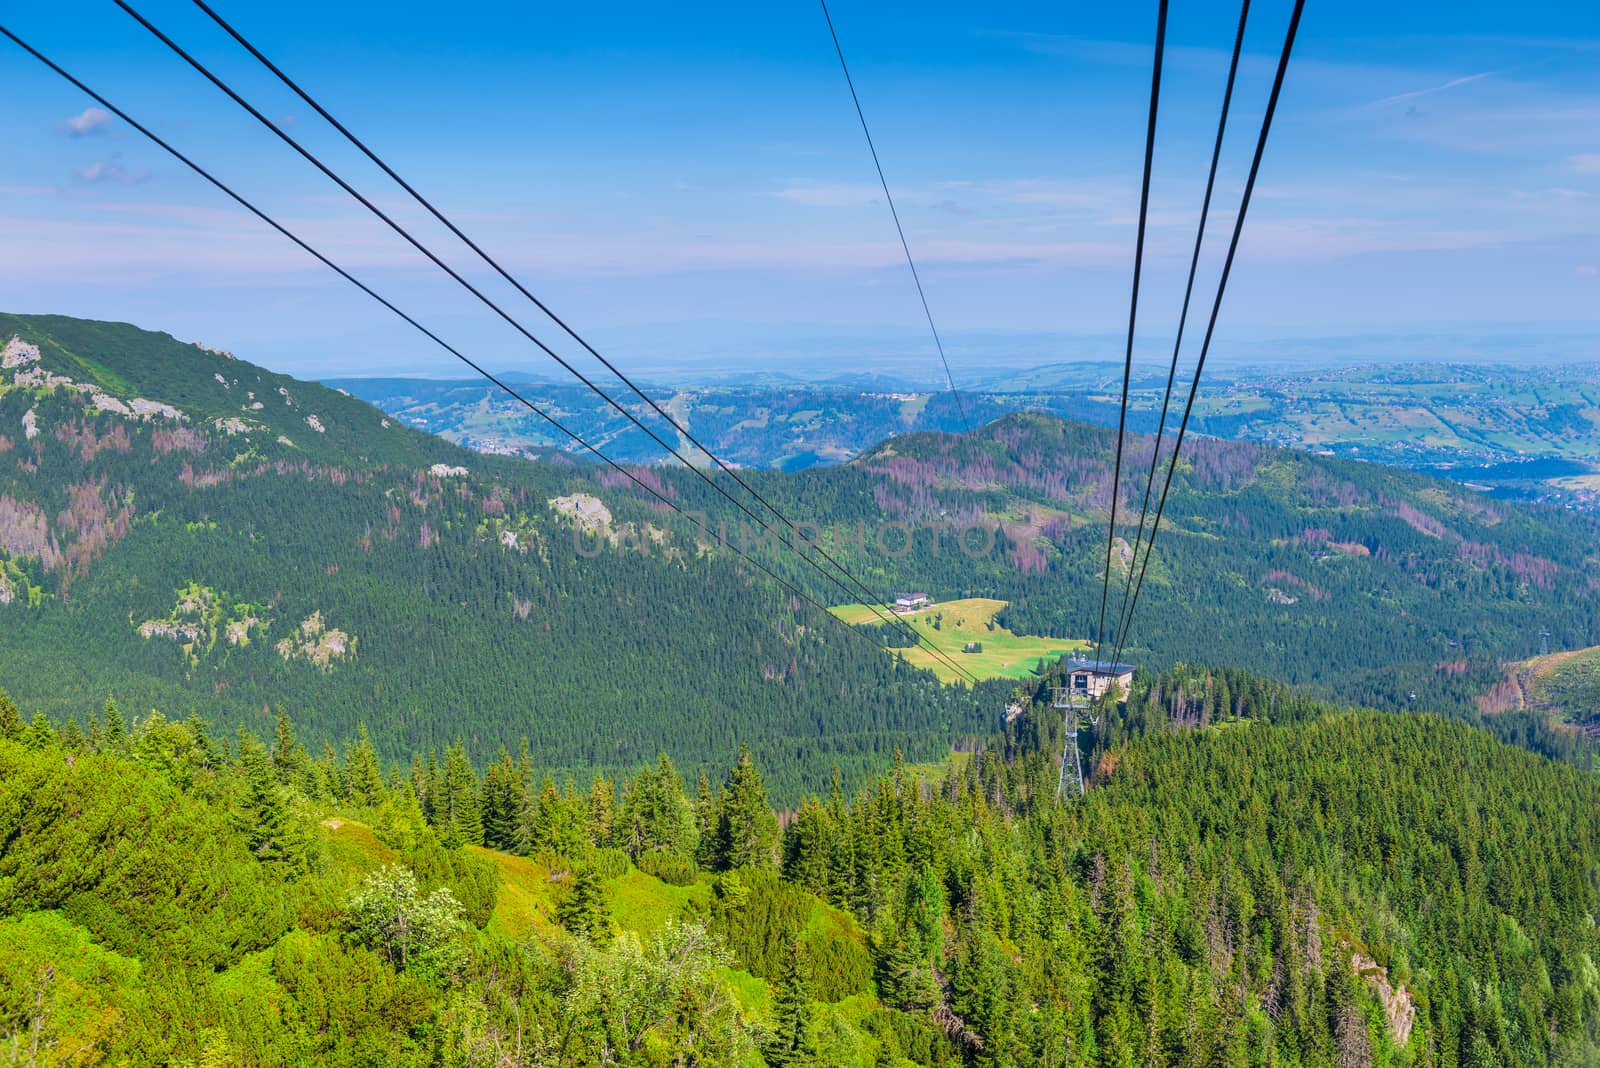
<point x="253" y="541"/>
<point x="1254" y="877"/>
<point x="327" y="742"/>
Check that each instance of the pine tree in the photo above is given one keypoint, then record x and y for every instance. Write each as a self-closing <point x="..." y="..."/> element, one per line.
<point x="747" y="831"/>
<point x="791" y="1042"/>
<point x="289" y="759"/>
<point x="261" y="813"/>
<point x="363" y="774"/>
<point x="116" y="732"/>
<point x="10" y="718"/>
<point x="582" y="910"/>
<point x="456" y="809"/>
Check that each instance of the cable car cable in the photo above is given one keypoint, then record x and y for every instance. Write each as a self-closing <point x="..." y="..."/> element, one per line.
<point x="1183" y="319"/>
<point x="904" y="245"/>
<point x="1222" y="285"/>
<point x="1133" y="315"/>
<point x="347" y="276"/>
<point x="874" y="603"/>
<point x="367" y="151"/>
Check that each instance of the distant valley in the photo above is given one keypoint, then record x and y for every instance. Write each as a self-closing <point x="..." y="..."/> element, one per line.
<point x="1521" y="433"/>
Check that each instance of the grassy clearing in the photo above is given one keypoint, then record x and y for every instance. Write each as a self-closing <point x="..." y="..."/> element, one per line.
<point x="1569" y="680"/>
<point x="526" y="900"/>
<point x="1005" y="655"/>
<point x="643" y="903"/>
<point x="352" y="847"/>
<point x="936" y="771"/>
<point x="751" y="992"/>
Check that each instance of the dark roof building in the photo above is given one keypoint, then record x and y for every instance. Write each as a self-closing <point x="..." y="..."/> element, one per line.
<point x="1095" y="677"/>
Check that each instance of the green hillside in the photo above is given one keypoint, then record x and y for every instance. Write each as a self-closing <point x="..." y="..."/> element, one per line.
<point x="1253" y="878"/>
<point x="371" y="574"/>
<point x="1367" y="582"/>
<point x="239" y="406"/>
<point x="165" y="540"/>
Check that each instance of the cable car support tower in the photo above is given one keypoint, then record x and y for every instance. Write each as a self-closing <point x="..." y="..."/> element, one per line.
<point x="1074" y="706"/>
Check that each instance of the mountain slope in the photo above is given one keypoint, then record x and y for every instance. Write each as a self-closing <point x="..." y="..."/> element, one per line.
<point x="1275" y="882"/>
<point x="215" y="394"/>
<point x="369" y="573"/>
<point x="1371" y="582"/>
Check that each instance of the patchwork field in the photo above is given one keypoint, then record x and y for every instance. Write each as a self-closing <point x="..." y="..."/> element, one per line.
<point x="950" y="626"/>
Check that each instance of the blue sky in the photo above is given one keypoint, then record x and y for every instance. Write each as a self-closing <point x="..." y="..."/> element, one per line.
<point x="688" y="185"/>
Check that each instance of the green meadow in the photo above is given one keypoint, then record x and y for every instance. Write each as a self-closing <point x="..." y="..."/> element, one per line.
<point x="950" y="626"/>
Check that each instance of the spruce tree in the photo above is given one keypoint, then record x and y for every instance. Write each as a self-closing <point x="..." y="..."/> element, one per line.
<point x="261" y="813"/>
<point x="456" y="809"/>
<point x="705" y="817"/>
<point x="791" y="1042"/>
<point x="205" y="754"/>
<point x="805" y="853"/>
<point x="582" y="910"/>
<point x="363" y="773"/>
<point x="428" y="789"/>
<point x="747" y="831"/>
<point x="656" y="813"/>
<point x="329" y="781"/>
<point x="500" y="806"/>
<point x="39" y="734"/>
<point x="289" y="759"/>
<point x="602" y="802"/>
<point x="71" y="735"/>
<point x="116" y="732"/>
<point x="10" y="718"/>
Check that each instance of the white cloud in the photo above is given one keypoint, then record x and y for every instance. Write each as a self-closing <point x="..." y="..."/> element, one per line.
<point x="1589" y="270"/>
<point x="110" y="171"/>
<point x="1585" y="163"/>
<point x="87" y="123"/>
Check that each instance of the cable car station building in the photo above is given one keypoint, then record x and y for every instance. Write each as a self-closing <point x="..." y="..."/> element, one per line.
<point x="1092" y="678"/>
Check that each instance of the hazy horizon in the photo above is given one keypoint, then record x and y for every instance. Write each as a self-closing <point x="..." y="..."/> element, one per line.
<point x="687" y="187"/>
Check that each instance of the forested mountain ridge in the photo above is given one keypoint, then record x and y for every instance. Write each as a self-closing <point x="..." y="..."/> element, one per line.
<point x="115" y="369"/>
<point x="367" y="573"/>
<point x="1370" y="582"/>
<point x="1254" y="878"/>
<point x="195" y="549"/>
